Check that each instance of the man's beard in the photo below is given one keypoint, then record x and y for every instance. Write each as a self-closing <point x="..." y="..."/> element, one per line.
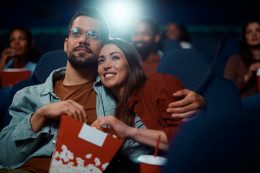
<point x="144" y="49"/>
<point x="80" y="62"/>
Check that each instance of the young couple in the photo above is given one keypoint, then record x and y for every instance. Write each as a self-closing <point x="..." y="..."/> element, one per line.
<point x="133" y="106"/>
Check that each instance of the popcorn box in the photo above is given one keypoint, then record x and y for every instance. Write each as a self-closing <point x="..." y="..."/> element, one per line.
<point x="9" y="77"/>
<point x="81" y="148"/>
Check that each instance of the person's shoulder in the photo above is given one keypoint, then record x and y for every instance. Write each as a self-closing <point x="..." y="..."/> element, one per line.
<point x="33" y="89"/>
<point x="235" y="59"/>
<point x="235" y="56"/>
<point x="31" y="66"/>
<point x="162" y="77"/>
<point x="162" y="80"/>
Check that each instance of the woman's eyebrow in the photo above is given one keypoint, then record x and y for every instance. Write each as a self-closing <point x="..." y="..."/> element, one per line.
<point x="114" y="53"/>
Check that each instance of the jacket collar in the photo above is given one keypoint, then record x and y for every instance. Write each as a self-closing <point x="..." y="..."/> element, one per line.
<point x="48" y="86"/>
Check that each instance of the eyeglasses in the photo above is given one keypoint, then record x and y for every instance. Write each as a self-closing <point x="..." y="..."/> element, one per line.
<point x="77" y="33"/>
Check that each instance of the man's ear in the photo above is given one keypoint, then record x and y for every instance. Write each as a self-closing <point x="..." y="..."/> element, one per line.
<point x="66" y="45"/>
<point x="157" y="38"/>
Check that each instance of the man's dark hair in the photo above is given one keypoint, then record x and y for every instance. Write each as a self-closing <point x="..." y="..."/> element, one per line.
<point x="93" y="13"/>
<point x="152" y="24"/>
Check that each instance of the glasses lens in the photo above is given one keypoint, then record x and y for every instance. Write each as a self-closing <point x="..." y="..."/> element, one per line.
<point x="75" y="32"/>
<point x="93" y="35"/>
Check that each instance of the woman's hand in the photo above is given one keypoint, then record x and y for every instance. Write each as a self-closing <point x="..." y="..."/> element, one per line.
<point x="6" y="55"/>
<point x="112" y="125"/>
<point x="252" y="70"/>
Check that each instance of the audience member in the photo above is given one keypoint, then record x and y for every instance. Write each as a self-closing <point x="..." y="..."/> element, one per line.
<point x="28" y="141"/>
<point x="178" y="33"/>
<point x="146" y="38"/>
<point x="241" y="68"/>
<point x="21" y="51"/>
<point x="141" y="113"/>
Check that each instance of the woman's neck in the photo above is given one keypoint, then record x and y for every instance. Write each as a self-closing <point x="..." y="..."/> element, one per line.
<point x="118" y="92"/>
<point x="19" y="63"/>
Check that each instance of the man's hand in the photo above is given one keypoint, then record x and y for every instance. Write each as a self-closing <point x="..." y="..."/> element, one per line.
<point x="187" y="105"/>
<point x="68" y="107"/>
<point x="55" y="110"/>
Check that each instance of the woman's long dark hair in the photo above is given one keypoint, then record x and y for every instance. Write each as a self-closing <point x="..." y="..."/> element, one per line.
<point x="244" y="48"/>
<point x="134" y="80"/>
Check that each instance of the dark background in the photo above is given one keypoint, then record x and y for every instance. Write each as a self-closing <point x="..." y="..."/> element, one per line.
<point x="48" y="19"/>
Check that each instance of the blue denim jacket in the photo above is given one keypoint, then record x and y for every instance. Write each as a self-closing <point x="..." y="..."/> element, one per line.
<point x="18" y="143"/>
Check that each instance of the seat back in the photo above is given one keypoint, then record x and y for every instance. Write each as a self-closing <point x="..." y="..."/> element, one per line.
<point x="168" y="45"/>
<point x="251" y="104"/>
<point x="189" y="65"/>
<point x="49" y="61"/>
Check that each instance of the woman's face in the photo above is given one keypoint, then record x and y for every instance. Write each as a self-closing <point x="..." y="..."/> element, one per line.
<point x="19" y="42"/>
<point x="253" y="34"/>
<point x="113" y="68"/>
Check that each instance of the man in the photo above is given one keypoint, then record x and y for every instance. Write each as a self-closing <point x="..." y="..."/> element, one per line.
<point x="36" y="109"/>
<point x="29" y="139"/>
<point x="145" y="38"/>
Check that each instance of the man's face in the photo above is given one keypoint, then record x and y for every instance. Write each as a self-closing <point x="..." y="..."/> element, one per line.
<point x="173" y="32"/>
<point x="143" y="38"/>
<point x="83" y="43"/>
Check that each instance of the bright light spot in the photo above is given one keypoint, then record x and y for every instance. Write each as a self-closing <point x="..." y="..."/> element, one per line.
<point x="121" y="14"/>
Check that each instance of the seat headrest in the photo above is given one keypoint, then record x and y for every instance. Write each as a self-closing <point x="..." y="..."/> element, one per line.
<point x="48" y="62"/>
<point x="189" y="65"/>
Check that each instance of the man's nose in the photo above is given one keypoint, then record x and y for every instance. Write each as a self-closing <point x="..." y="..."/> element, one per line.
<point x="137" y="37"/>
<point x="84" y="39"/>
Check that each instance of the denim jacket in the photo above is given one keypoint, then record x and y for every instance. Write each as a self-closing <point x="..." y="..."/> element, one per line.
<point x="18" y="143"/>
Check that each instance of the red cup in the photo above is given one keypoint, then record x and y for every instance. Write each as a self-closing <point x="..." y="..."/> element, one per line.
<point x="258" y="79"/>
<point x="151" y="164"/>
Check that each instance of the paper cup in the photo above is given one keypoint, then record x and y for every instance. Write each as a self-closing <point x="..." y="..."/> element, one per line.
<point x="151" y="164"/>
<point x="258" y="79"/>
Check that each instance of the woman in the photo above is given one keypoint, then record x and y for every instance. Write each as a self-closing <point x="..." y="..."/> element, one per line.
<point x="179" y="33"/>
<point x="141" y="113"/>
<point x="241" y="68"/>
<point x="20" y="52"/>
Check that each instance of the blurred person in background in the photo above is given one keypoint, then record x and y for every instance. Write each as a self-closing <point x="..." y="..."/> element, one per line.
<point x="241" y="68"/>
<point x="21" y="52"/>
<point x="178" y="33"/>
<point x="146" y="39"/>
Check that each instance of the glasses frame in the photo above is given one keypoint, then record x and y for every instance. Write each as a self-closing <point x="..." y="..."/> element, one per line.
<point x="89" y="34"/>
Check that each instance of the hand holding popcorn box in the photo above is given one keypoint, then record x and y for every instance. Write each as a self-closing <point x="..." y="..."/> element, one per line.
<point x="81" y="148"/>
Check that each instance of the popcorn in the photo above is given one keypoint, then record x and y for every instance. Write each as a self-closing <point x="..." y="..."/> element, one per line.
<point x="97" y="161"/>
<point x="64" y="162"/>
<point x="88" y="156"/>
